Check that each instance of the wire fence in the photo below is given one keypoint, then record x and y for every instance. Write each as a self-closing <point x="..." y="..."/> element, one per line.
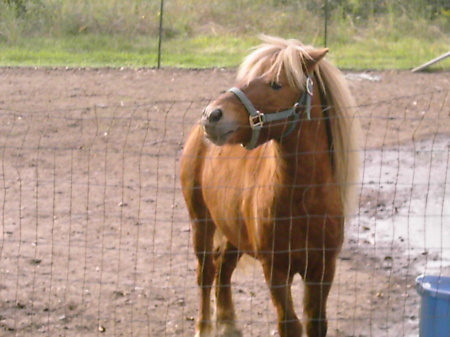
<point x="95" y="238"/>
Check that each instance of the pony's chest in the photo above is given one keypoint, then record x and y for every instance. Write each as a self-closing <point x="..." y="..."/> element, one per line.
<point x="246" y="188"/>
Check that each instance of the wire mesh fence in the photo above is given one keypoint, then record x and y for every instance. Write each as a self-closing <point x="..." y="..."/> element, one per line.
<point x="96" y="240"/>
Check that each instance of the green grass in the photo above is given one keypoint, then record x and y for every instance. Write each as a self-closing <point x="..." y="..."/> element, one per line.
<point x="207" y="51"/>
<point x="204" y="52"/>
<point x="94" y="51"/>
<point x="80" y="51"/>
<point x="404" y="54"/>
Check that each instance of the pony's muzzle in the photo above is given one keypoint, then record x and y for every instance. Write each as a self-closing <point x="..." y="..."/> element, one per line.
<point x="216" y="127"/>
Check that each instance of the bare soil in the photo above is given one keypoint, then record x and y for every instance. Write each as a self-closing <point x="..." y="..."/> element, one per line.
<point x="95" y="238"/>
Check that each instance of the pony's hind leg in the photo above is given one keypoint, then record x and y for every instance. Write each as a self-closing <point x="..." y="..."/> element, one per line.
<point x="279" y="281"/>
<point x="203" y="234"/>
<point x="226" y="260"/>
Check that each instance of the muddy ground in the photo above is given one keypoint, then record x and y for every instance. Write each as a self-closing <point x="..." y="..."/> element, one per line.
<point x="95" y="238"/>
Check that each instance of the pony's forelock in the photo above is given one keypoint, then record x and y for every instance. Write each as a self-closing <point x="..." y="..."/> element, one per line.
<point x="274" y="56"/>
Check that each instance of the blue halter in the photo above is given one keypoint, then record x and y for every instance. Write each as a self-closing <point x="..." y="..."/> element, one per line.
<point x="258" y="119"/>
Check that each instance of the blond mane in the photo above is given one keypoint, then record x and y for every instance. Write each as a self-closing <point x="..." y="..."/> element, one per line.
<point x="276" y="55"/>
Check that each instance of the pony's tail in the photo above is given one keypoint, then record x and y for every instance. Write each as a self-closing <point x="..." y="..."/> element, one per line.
<point x="346" y="134"/>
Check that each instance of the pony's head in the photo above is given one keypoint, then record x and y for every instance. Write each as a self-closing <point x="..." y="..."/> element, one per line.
<point x="273" y="89"/>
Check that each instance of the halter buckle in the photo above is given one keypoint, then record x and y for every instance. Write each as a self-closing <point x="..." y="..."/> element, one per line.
<point x="256" y="120"/>
<point x="309" y="86"/>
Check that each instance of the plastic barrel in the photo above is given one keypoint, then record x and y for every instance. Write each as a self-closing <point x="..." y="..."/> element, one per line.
<point x="435" y="305"/>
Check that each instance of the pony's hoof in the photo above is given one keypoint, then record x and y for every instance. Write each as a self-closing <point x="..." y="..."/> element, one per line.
<point x="228" y="330"/>
<point x="204" y="331"/>
<point x="203" y="334"/>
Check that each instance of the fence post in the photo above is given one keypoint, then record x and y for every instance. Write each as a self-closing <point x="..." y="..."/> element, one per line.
<point x="325" y="34"/>
<point x="160" y="37"/>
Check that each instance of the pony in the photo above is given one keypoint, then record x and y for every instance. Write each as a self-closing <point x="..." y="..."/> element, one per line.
<point x="272" y="167"/>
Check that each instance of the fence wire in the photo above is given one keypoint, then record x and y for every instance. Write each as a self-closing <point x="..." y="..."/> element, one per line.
<point x="95" y="238"/>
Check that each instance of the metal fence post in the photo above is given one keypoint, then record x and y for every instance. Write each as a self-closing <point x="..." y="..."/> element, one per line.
<point x="325" y="34"/>
<point x="160" y="37"/>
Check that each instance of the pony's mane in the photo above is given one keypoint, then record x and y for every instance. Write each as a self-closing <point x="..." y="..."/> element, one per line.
<point x="276" y="55"/>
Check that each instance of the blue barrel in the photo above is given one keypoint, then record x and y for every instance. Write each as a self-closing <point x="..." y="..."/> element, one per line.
<point x="435" y="305"/>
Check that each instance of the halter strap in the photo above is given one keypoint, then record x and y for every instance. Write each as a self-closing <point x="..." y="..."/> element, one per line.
<point x="257" y="118"/>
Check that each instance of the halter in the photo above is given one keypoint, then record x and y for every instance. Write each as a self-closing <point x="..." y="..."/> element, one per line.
<point x="258" y="119"/>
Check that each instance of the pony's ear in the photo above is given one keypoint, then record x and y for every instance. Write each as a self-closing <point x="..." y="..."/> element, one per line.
<point x="315" y="56"/>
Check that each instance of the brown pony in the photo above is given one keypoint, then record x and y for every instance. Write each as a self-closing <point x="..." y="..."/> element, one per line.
<point x="271" y="167"/>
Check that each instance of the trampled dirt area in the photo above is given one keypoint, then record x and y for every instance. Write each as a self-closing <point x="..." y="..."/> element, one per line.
<point x="95" y="237"/>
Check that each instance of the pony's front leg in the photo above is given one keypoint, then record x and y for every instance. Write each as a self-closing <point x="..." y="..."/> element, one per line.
<point x="203" y="234"/>
<point x="318" y="282"/>
<point x="226" y="261"/>
<point x="279" y="281"/>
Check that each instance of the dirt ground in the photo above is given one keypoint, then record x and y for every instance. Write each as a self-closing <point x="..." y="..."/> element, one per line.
<point x="95" y="237"/>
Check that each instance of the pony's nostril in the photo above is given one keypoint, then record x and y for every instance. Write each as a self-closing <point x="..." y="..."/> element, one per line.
<point x="215" y="116"/>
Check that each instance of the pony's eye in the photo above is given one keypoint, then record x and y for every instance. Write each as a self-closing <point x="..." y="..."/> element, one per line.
<point x="275" y="85"/>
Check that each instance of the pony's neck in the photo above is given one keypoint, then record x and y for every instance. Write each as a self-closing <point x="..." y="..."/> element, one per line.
<point x="306" y="151"/>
